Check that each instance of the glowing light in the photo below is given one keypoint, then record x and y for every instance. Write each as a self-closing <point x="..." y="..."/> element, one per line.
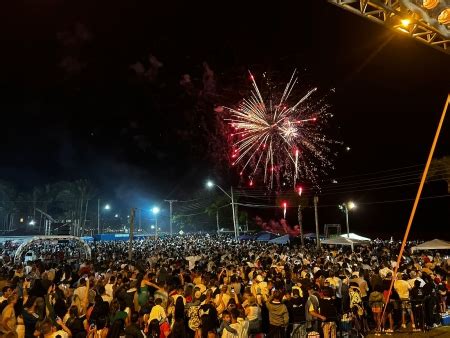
<point x="210" y="184"/>
<point x="351" y="205"/>
<point x="405" y="22"/>
<point x="348" y="148"/>
<point x="284" y="209"/>
<point x="116" y="215"/>
<point x="32" y="222"/>
<point x="107" y="207"/>
<point x="250" y="183"/>
<point x="21" y="220"/>
<point x="300" y="191"/>
<point x="155" y="210"/>
<point x="274" y="133"/>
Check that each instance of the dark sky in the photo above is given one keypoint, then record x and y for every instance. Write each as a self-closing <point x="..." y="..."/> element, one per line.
<point x="102" y="124"/>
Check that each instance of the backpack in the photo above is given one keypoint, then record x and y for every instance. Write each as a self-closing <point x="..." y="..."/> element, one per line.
<point x="355" y="300"/>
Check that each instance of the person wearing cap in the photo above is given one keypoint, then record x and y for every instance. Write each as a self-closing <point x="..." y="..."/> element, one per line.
<point x="295" y="304"/>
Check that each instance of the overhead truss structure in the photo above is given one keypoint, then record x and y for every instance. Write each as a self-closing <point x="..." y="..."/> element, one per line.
<point x="400" y="17"/>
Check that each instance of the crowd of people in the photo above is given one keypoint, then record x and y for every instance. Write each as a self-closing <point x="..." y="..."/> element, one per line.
<point x="209" y="286"/>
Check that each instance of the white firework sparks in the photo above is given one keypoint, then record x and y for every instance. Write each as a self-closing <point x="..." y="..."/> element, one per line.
<point x="279" y="141"/>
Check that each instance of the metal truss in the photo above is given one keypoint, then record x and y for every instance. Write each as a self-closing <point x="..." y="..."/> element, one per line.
<point x="391" y="14"/>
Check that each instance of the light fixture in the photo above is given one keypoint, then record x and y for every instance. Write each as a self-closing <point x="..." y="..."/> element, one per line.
<point x="405" y="22"/>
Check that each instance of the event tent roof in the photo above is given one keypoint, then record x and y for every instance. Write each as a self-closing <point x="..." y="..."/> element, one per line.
<point x="280" y="240"/>
<point x="352" y="235"/>
<point x="265" y="236"/>
<point x="435" y="244"/>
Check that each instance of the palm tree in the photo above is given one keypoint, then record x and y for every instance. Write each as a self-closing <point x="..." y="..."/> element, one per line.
<point x="440" y="170"/>
<point x="7" y="205"/>
<point x="213" y="209"/>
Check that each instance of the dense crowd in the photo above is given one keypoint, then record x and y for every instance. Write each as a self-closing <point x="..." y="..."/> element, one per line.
<point x="210" y="286"/>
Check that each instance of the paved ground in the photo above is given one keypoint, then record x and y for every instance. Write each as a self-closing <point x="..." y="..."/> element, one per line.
<point x="440" y="332"/>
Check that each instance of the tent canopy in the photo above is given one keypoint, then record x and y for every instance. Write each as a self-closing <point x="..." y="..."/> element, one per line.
<point x="265" y="236"/>
<point x="338" y="241"/>
<point x="280" y="240"/>
<point x="357" y="237"/>
<point x="435" y="244"/>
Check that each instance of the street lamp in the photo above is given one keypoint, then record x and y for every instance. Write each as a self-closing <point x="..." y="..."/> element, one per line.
<point x="155" y="211"/>
<point x="346" y="207"/>
<point x="210" y="184"/>
<point x="32" y="222"/>
<point x="106" y="207"/>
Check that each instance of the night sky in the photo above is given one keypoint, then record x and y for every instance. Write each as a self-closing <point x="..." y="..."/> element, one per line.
<point x="73" y="108"/>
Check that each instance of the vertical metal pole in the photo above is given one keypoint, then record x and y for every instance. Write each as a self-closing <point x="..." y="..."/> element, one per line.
<point x="130" y="244"/>
<point x="156" y="226"/>
<point x="234" y="214"/>
<point x="316" y="200"/>
<point x="98" y="216"/>
<point x="217" y="221"/>
<point x="170" y="220"/>
<point x="300" y="224"/>
<point x="140" y="220"/>
<point x="346" y="220"/>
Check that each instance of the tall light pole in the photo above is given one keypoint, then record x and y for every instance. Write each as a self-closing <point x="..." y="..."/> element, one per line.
<point x="346" y="207"/>
<point x="211" y="184"/>
<point x="170" y="211"/>
<point x="130" y="244"/>
<point x="106" y="207"/>
<point x="316" y="200"/>
<point x="155" y="211"/>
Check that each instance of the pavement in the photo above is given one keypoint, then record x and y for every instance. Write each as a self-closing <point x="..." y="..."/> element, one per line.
<point x="439" y="332"/>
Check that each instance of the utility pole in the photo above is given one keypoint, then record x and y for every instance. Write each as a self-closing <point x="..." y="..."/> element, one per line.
<point x="234" y="215"/>
<point x="300" y="224"/>
<point x="171" y="210"/>
<point x="98" y="216"/>
<point x="130" y="244"/>
<point x="217" y="221"/>
<point x="316" y="200"/>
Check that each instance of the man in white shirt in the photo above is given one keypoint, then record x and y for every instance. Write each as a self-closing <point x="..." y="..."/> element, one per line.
<point x="81" y="291"/>
<point x="222" y="299"/>
<point x="109" y="288"/>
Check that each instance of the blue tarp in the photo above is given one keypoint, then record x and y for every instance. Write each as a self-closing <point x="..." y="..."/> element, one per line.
<point x="265" y="236"/>
<point x="245" y="237"/>
<point x="280" y="240"/>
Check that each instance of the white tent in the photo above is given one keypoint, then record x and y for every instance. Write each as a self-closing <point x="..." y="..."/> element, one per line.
<point x="352" y="235"/>
<point x="435" y="244"/>
<point x="342" y="241"/>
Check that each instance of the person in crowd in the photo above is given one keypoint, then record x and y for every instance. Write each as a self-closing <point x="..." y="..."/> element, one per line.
<point x="179" y="287"/>
<point x="278" y="315"/>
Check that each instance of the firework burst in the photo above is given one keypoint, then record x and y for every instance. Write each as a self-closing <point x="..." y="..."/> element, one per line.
<point x="280" y="140"/>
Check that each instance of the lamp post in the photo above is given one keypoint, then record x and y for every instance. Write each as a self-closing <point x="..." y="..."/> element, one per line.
<point x="346" y="207"/>
<point x="155" y="211"/>
<point x="211" y="184"/>
<point x="106" y="207"/>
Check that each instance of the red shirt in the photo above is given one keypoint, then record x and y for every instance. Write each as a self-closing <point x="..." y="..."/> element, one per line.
<point x="164" y="327"/>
